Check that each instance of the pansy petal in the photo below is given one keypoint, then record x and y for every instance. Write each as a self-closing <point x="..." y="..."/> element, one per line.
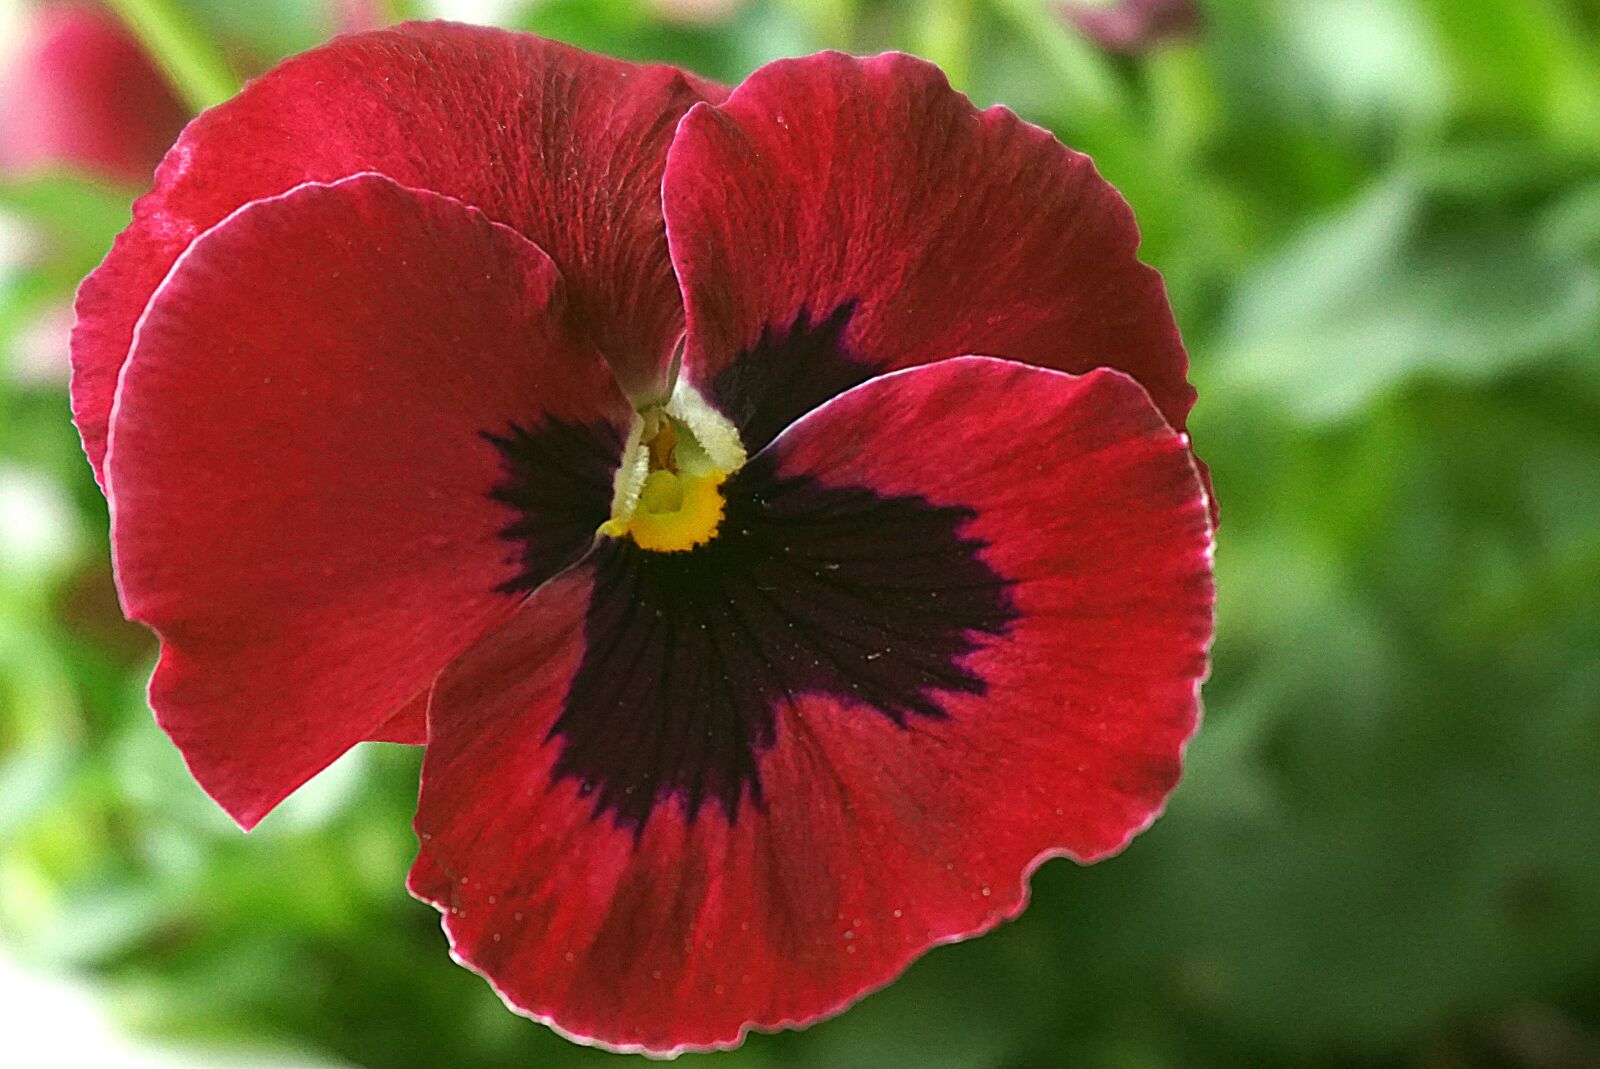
<point x="957" y="625"/>
<point x="563" y="146"/>
<point x="409" y="726"/>
<point x="307" y="472"/>
<point x="838" y="217"/>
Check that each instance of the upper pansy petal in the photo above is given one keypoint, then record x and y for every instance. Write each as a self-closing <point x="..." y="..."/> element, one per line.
<point x="309" y="472"/>
<point x="953" y="622"/>
<point x="836" y="218"/>
<point x="564" y="146"/>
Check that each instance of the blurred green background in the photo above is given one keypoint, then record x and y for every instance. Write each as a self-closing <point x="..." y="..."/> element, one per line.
<point x="1380" y="224"/>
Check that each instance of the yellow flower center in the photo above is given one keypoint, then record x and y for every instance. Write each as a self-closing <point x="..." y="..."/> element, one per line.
<point x="668" y="495"/>
<point x="676" y="512"/>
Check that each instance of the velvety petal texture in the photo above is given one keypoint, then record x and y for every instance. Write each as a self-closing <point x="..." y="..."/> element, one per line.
<point x="963" y="615"/>
<point x="564" y="146"/>
<point x="304" y="472"/>
<point x="862" y="211"/>
<point x="408" y="727"/>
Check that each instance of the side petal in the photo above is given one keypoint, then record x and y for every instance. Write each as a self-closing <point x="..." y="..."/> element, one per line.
<point x="837" y="218"/>
<point x="307" y="492"/>
<point x="563" y="146"/>
<point x="920" y="713"/>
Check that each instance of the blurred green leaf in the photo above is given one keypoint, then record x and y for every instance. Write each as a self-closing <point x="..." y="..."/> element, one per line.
<point x="1529" y="63"/>
<point x="1398" y="287"/>
<point x="1368" y="63"/>
<point x="1572" y="224"/>
<point x="1086" y="77"/>
<point x="67" y="207"/>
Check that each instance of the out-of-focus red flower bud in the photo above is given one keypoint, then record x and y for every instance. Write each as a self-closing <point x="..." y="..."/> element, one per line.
<point x="78" y="92"/>
<point x="353" y="16"/>
<point x="1133" y="25"/>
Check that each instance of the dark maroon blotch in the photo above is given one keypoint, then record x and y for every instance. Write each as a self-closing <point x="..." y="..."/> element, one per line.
<point x="556" y="477"/>
<point x="806" y="590"/>
<point x="789" y="371"/>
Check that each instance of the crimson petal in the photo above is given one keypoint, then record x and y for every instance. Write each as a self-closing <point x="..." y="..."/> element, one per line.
<point x="1031" y="551"/>
<point x="305" y="484"/>
<point x="564" y="146"/>
<point x="409" y="726"/>
<point x="837" y="218"/>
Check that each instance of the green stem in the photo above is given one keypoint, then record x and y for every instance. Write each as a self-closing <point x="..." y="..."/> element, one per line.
<point x="193" y="62"/>
<point x="1078" y="64"/>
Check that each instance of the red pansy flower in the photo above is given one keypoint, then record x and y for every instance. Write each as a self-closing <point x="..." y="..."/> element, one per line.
<point x="776" y="501"/>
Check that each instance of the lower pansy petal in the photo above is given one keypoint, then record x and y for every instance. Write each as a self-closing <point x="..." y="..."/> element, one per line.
<point x="836" y="218"/>
<point x="337" y="410"/>
<point x="951" y="623"/>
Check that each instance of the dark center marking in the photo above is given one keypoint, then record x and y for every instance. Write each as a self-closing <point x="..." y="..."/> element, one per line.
<point x="789" y="371"/>
<point x="556" y="479"/>
<point x="807" y="590"/>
